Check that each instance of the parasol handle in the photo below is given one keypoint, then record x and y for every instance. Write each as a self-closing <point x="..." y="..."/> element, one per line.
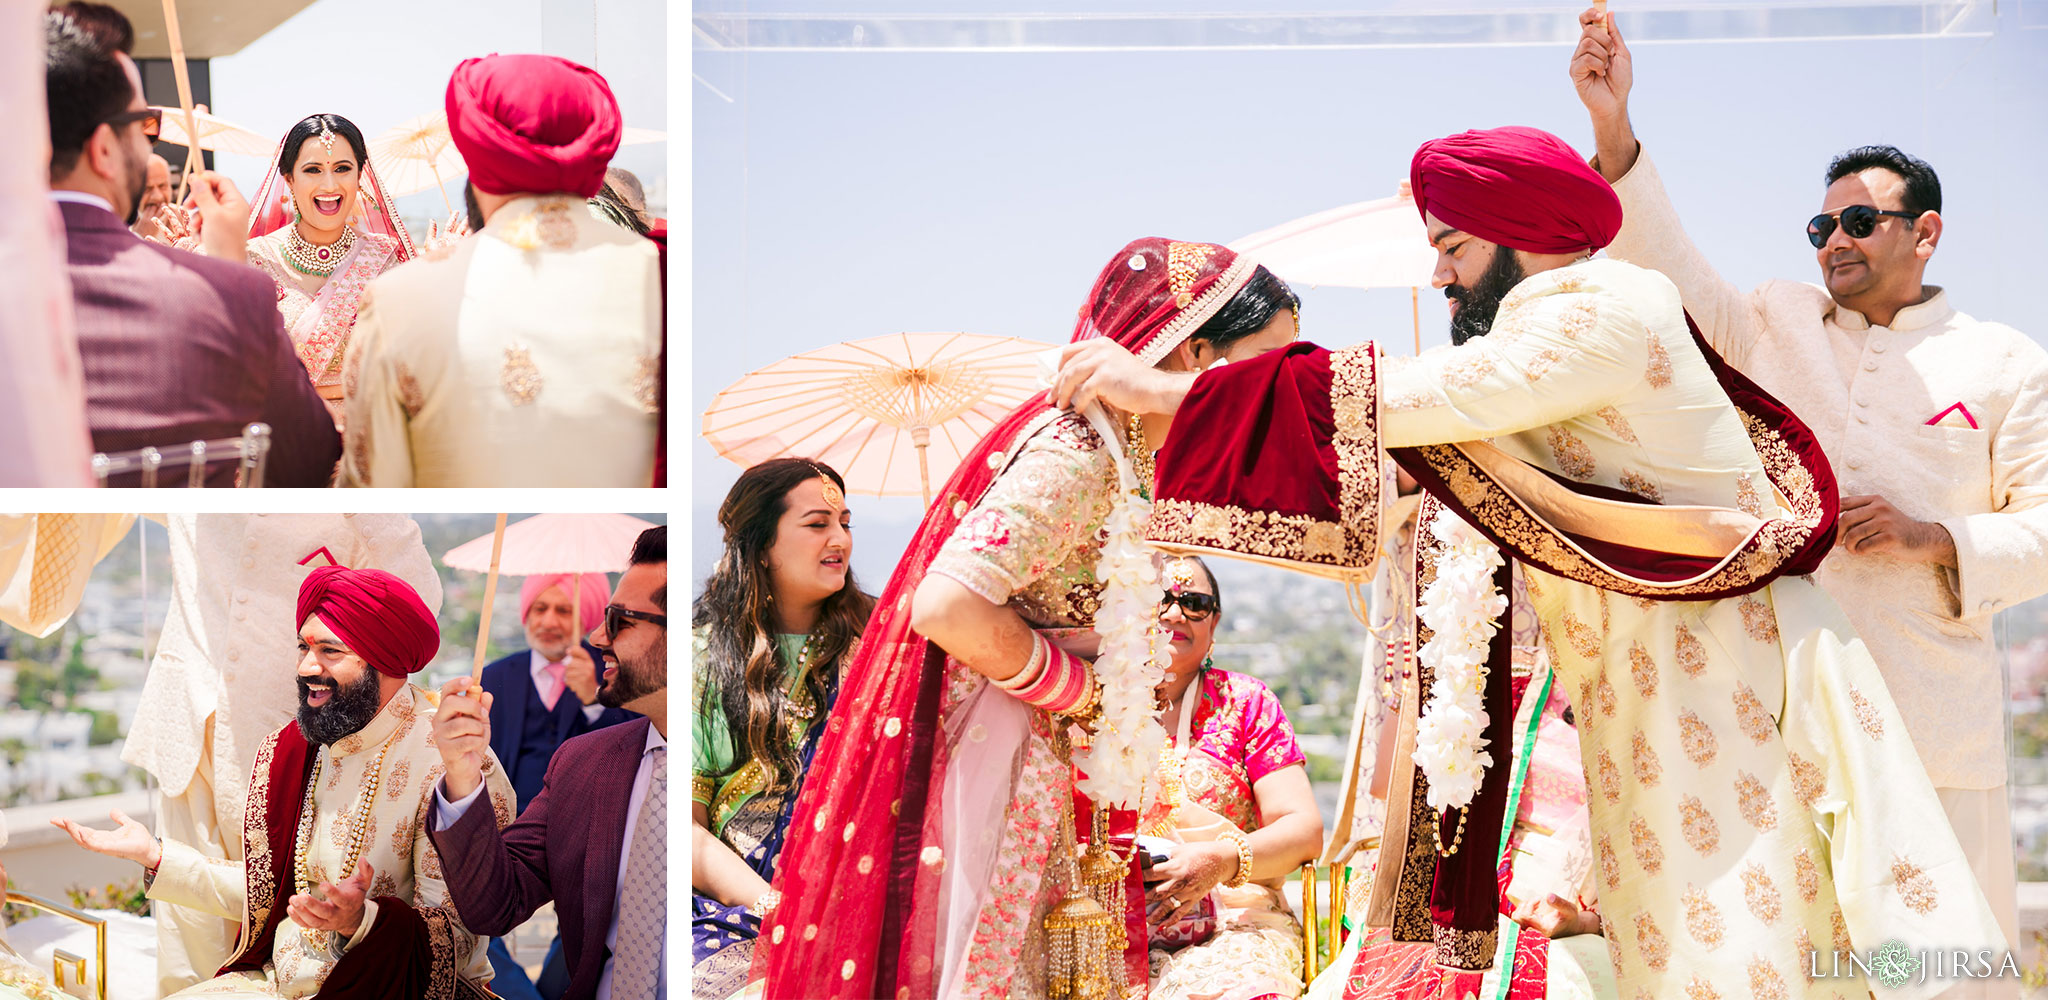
<point x="921" y="439"/>
<point x="483" y="628"/>
<point x="193" y="159"/>
<point x="1415" y="306"/>
<point x="443" y="186"/>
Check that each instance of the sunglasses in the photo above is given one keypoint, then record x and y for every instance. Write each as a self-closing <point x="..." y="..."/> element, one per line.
<point x="152" y="121"/>
<point x="1856" y="220"/>
<point x="617" y="619"/>
<point x="1193" y="603"/>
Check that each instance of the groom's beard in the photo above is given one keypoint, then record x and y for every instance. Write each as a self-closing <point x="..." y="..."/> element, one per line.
<point x="476" y="211"/>
<point x="344" y="715"/>
<point x="1478" y="304"/>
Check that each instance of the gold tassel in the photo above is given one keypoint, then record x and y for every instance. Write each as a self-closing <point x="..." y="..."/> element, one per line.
<point x="1103" y="873"/>
<point x="1079" y="931"/>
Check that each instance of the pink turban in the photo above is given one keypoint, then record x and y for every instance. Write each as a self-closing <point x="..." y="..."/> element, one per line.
<point x="596" y="593"/>
<point x="378" y="615"/>
<point x="532" y="124"/>
<point x="1519" y="187"/>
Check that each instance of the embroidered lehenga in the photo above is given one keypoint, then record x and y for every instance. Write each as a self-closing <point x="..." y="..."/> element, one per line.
<point x="745" y="812"/>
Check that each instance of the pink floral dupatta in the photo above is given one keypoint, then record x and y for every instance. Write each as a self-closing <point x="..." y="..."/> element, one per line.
<point x="860" y="875"/>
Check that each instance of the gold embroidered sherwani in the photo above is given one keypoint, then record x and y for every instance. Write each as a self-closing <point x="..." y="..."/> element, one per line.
<point x="395" y="843"/>
<point x="1754" y="794"/>
<point x="1869" y="393"/>
<point x="526" y="355"/>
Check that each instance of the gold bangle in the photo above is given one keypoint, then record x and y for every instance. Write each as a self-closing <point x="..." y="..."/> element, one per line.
<point x="1244" y="859"/>
<point x="761" y="907"/>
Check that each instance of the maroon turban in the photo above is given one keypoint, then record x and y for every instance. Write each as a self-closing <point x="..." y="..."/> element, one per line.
<point x="1519" y="187"/>
<point x="379" y="615"/>
<point x="532" y="124"/>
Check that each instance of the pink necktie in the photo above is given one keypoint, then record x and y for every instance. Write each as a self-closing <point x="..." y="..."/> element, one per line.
<point x="554" y="694"/>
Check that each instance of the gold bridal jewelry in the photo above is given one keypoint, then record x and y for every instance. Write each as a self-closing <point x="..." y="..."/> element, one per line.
<point x="1141" y="456"/>
<point x="327" y="140"/>
<point x="835" y="497"/>
<point x="318" y="261"/>
<point x="358" y="829"/>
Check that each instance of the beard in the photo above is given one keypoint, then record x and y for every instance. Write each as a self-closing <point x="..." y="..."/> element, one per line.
<point x="345" y="714"/>
<point x="637" y="679"/>
<point x="1478" y="304"/>
<point x="136" y="173"/>
<point x="476" y="211"/>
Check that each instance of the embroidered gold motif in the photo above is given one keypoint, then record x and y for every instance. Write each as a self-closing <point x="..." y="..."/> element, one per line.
<point x="1581" y="636"/>
<point x="1469" y="367"/>
<point x="1577" y="318"/>
<point x="1568" y="281"/>
<point x="1643" y="670"/>
<point x="1806" y="875"/>
<point x="647" y="383"/>
<point x="1746" y="499"/>
<point x="1650" y="944"/>
<point x="410" y="399"/>
<point x="1809" y="781"/>
<point x="1702" y="834"/>
<point x="557" y="229"/>
<point x="1614" y="947"/>
<point x="1617" y="423"/>
<point x="1759" y="620"/>
<point x="1649" y="851"/>
<point x="1692" y="655"/>
<point x="1462" y="949"/>
<point x="1649" y="770"/>
<point x="1573" y="458"/>
<point x="1697" y="737"/>
<point x="1245" y="532"/>
<point x="1610" y="867"/>
<point x="1411" y="399"/>
<point x="1802" y="946"/>
<point x="1866" y="714"/>
<point x="1610" y="777"/>
<point x="1184" y="264"/>
<point x="1698" y="989"/>
<point x="520" y="377"/>
<point x="1540" y="365"/>
<point x="1764" y="983"/>
<point x="1703" y="918"/>
<point x="1915" y="888"/>
<point x="1640" y="485"/>
<point x="395" y="785"/>
<point x="1761" y="893"/>
<point x="1608" y="701"/>
<point x="1841" y="930"/>
<point x="1755" y="800"/>
<point x="1751" y="715"/>
<point x="1659" y="372"/>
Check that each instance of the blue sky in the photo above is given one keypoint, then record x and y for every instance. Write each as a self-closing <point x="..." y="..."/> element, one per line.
<point x="381" y="62"/>
<point x="843" y="195"/>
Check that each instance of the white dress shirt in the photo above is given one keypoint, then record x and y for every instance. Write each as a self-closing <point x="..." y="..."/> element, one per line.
<point x="447" y="813"/>
<point x="81" y="198"/>
<point x="542" y="680"/>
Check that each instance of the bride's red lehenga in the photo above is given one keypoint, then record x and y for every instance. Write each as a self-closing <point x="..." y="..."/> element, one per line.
<point x="919" y="861"/>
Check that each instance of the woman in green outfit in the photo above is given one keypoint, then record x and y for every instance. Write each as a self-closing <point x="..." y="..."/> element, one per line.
<point x="776" y="622"/>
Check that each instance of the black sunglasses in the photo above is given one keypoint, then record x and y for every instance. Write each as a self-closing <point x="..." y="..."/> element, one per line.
<point x="617" y="618"/>
<point x="1857" y="220"/>
<point x="1193" y="603"/>
<point x="152" y="121"/>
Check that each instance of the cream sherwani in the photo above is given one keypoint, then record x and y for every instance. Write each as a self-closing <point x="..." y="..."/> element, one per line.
<point x="1755" y="798"/>
<point x="220" y="683"/>
<point x="526" y="355"/>
<point x="395" y="756"/>
<point x="1872" y="395"/>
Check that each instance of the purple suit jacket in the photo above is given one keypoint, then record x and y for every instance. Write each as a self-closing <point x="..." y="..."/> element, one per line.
<point x="564" y="847"/>
<point x="179" y="347"/>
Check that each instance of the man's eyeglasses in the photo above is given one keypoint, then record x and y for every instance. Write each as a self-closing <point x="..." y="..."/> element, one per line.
<point x="1193" y="603"/>
<point x="152" y="121"/>
<point x="1856" y="220"/>
<point x="616" y="619"/>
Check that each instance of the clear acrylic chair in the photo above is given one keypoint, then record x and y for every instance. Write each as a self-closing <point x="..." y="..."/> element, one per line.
<point x="250" y="451"/>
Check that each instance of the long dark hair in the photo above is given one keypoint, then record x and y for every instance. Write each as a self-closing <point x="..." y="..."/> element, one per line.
<point x="743" y="666"/>
<point x="1248" y="311"/>
<point x="312" y="126"/>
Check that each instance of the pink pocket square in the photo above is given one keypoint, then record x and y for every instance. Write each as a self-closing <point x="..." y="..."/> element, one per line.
<point x="1942" y="419"/>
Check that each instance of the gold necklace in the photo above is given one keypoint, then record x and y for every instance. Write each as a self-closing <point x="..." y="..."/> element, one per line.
<point x="801" y="704"/>
<point x="318" y="261"/>
<point x="1142" y="460"/>
<point x="359" y="824"/>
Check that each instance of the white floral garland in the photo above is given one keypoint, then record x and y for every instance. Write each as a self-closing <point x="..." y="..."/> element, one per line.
<point x="1134" y="654"/>
<point x="1462" y="607"/>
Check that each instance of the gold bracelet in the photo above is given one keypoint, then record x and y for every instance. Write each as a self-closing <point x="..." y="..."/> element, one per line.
<point x="761" y="907"/>
<point x="1244" y="859"/>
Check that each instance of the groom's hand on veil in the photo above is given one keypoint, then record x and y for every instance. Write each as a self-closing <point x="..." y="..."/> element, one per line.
<point x="221" y="218"/>
<point x="1102" y="370"/>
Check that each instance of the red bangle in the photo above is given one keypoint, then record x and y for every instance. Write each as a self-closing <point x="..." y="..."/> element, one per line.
<point x="1065" y="687"/>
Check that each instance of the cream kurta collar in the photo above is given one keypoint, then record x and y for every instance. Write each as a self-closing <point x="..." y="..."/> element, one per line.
<point x="1919" y="315"/>
<point x="393" y="720"/>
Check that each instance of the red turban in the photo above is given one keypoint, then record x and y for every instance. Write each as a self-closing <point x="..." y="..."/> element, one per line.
<point x="532" y="124"/>
<point x="379" y="615"/>
<point x="1519" y="187"/>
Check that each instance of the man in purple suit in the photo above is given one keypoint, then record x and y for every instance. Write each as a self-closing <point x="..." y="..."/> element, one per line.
<point x="176" y="347"/>
<point x="595" y="840"/>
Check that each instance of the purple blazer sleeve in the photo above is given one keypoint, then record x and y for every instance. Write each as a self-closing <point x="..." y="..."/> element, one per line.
<point x="304" y="446"/>
<point x="496" y="877"/>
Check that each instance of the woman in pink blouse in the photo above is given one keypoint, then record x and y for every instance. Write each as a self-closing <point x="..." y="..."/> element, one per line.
<point x="1233" y="765"/>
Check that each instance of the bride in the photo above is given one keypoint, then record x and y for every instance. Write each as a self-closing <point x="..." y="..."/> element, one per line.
<point x="322" y="228"/>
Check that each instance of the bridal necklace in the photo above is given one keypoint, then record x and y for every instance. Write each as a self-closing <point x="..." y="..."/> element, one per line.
<point x="318" y="261"/>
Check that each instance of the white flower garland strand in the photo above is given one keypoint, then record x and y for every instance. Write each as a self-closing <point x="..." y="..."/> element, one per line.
<point x="1462" y="607"/>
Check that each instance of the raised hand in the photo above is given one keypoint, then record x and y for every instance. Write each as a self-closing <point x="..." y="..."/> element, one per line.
<point x="342" y="910"/>
<point x="129" y="840"/>
<point x="462" y="732"/>
<point x="1555" y="916"/>
<point x="222" y="216"/>
<point x="1601" y="68"/>
<point x="581" y="675"/>
<point x="1103" y="370"/>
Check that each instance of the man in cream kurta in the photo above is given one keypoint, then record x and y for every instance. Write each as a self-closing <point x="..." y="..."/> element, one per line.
<point x="1940" y="418"/>
<point x="528" y="354"/>
<point x="214" y="694"/>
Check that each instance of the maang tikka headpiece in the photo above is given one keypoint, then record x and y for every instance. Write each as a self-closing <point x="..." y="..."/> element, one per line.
<point x="326" y="138"/>
<point x="835" y="498"/>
